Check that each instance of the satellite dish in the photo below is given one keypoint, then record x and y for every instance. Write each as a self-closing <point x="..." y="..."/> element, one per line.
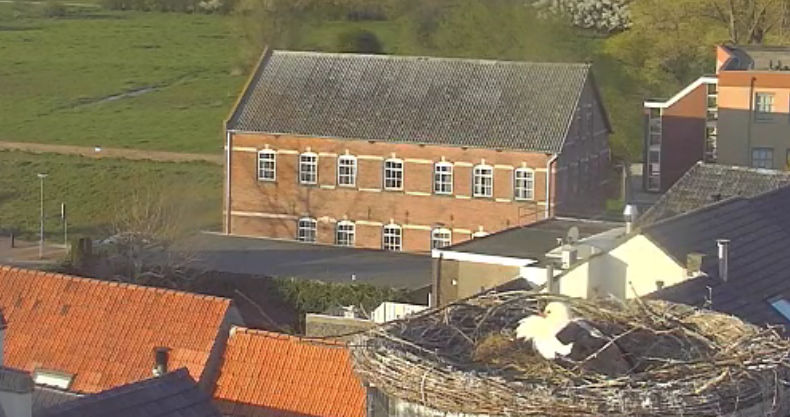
<point x="573" y="235"/>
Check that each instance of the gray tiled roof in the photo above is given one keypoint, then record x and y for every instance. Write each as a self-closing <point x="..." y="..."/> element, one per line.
<point x="759" y="266"/>
<point x="706" y="184"/>
<point x="461" y="102"/>
<point x="45" y="397"/>
<point x="173" y="395"/>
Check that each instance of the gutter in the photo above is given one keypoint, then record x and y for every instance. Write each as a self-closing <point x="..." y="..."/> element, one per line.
<point x="749" y="125"/>
<point x="228" y="147"/>
<point x="548" y="184"/>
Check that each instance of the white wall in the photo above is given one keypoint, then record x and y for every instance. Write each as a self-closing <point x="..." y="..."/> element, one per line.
<point x="629" y="270"/>
<point x="16" y="404"/>
<point x="388" y="311"/>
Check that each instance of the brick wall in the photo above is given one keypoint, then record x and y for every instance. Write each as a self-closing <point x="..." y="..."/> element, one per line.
<point x="271" y="209"/>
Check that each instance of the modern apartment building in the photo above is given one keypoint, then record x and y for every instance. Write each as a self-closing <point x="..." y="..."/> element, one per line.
<point x="410" y="153"/>
<point x="739" y="116"/>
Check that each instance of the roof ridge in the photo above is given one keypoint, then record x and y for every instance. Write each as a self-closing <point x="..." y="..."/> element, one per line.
<point x="47" y="274"/>
<point x="698" y="210"/>
<point x="285" y="336"/>
<point x="398" y="57"/>
<point x="762" y="171"/>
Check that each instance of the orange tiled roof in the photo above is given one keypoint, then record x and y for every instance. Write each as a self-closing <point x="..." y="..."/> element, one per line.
<point x="269" y="374"/>
<point x="103" y="333"/>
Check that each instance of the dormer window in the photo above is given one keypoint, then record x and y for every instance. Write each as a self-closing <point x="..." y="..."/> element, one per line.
<point x="52" y="378"/>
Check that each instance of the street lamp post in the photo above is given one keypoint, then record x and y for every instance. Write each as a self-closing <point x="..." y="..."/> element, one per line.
<point x="41" y="218"/>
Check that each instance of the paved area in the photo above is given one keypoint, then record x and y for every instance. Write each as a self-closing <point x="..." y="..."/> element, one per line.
<point x="120" y="153"/>
<point x="25" y="253"/>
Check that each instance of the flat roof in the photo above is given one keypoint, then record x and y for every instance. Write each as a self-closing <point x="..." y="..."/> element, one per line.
<point x="290" y="259"/>
<point x="532" y="241"/>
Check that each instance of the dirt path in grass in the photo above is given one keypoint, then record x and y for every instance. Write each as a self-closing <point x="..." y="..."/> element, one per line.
<point x="119" y="153"/>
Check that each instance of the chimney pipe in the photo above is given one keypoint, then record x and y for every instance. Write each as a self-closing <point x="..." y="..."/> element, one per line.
<point x="551" y="283"/>
<point x="630" y="214"/>
<point x="724" y="258"/>
<point x="160" y="361"/>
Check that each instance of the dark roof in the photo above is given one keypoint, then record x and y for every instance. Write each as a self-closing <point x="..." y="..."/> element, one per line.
<point x="759" y="58"/>
<point x="759" y="265"/>
<point x="446" y="101"/>
<point x="14" y="380"/>
<point x="45" y="397"/>
<point x="706" y="184"/>
<point x="173" y="395"/>
<point x="318" y="325"/>
<point x="289" y="259"/>
<point x="532" y="241"/>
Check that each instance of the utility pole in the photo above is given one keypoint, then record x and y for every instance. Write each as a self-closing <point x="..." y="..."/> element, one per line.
<point x="65" y="225"/>
<point x="41" y="218"/>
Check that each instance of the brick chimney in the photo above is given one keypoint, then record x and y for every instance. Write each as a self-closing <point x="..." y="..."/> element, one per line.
<point x="160" y="361"/>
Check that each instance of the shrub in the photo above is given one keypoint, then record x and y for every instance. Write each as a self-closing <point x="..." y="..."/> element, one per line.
<point x="359" y="40"/>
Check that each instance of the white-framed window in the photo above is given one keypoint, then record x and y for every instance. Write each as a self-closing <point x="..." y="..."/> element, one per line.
<point x="763" y="106"/>
<point x="347" y="171"/>
<point x="483" y="181"/>
<point x="763" y="158"/>
<point x="393" y="174"/>
<point x="344" y="233"/>
<point x="441" y="237"/>
<point x="51" y="378"/>
<point x="308" y="168"/>
<point x="306" y="229"/>
<point x="267" y="165"/>
<point x="523" y="184"/>
<point x="392" y="238"/>
<point x="443" y="178"/>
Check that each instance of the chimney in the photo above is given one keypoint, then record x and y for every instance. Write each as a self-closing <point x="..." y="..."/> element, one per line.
<point x="630" y="214"/>
<point x="724" y="258"/>
<point x="160" y="361"/>
<point x="694" y="263"/>
<point x="569" y="255"/>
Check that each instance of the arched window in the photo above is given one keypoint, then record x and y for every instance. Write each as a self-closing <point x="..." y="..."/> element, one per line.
<point x="393" y="174"/>
<point x="306" y="229"/>
<point x="523" y="184"/>
<point x="392" y="237"/>
<point x="267" y="165"/>
<point x="483" y="181"/>
<point x="347" y="171"/>
<point x="344" y="234"/>
<point x="441" y="237"/>
<point x="443" y="178"/>
<point x="308" y="168"/>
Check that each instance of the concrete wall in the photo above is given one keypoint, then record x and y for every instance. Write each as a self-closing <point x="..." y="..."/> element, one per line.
<point x="16" y="404"/>
<point x="470" y="278"/>
<point x="739" y="130"/>
<point x="632" y="269"/>
<point x="683" y="135"/>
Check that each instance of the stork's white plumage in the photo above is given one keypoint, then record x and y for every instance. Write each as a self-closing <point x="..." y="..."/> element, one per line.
<point x="542" y="330"/>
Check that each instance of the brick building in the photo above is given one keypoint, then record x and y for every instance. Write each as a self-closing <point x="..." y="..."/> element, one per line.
<point x="410" y="153"/>
<point x="739" y="116"/>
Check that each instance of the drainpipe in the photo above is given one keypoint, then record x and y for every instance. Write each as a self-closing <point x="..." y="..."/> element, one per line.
<point x="749" y="125"/>
<point x="228" y="149"/>
<point x="548" y="184"/>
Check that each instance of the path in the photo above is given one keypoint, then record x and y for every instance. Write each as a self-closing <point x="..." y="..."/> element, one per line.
<point x="120" y="153"/>
<point x="93" y="5"/>
<point x="25" y="253"/>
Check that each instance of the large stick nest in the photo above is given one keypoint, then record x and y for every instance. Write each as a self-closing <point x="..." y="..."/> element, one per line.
<point x="685" y="362"/>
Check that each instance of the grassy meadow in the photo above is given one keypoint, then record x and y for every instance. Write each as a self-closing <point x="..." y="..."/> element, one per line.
<point x="93" y="190"/>
<point x="142" y="80"/>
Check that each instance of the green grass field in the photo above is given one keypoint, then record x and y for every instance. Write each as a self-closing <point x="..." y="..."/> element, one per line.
<point x="63" y="80"/>
<point x="93" y="189"/>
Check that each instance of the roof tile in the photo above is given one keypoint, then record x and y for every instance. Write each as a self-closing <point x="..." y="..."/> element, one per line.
<point x="295" y="376"/>
<point x="101" y="332"/>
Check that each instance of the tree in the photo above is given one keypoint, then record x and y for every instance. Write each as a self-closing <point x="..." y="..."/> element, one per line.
<point x="147" y="224"/>
<point x="605" y="16"/>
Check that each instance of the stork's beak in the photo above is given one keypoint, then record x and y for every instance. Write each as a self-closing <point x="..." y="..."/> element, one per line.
<point x="542" y="313"/>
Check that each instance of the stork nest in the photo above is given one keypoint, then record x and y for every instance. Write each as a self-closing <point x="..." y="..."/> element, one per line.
<point x="464" y="358"/>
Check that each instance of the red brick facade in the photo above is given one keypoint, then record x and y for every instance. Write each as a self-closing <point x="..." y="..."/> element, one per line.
<point x="272" y="208"/>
